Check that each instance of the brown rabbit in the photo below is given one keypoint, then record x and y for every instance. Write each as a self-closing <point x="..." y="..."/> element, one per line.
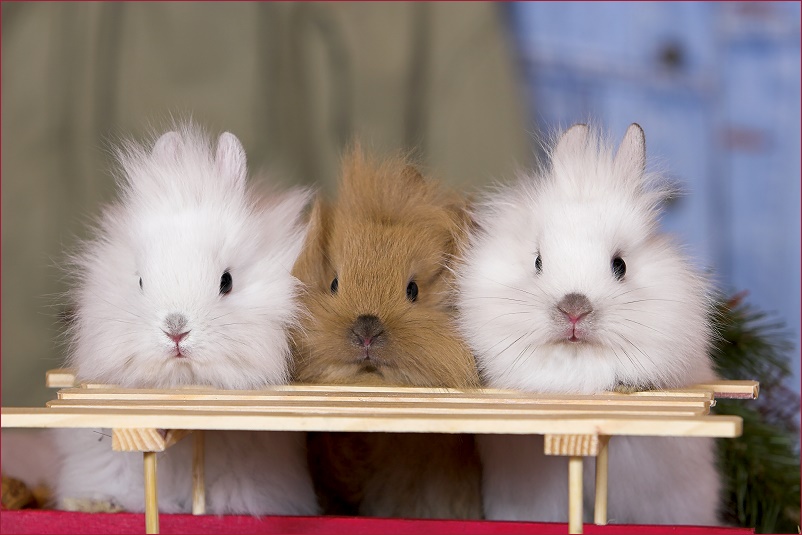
<point x="377" y="267"/>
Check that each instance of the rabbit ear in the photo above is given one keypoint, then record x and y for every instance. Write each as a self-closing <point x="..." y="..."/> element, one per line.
<point x="571" y="142"/>
<point x="631" y="156"/>
<point x="167" y="146"/>
<point x="230" y="159"/>
<point x="313" y="262"/>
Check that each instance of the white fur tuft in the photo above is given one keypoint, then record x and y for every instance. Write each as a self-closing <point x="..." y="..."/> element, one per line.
<point x="647" y="329"/>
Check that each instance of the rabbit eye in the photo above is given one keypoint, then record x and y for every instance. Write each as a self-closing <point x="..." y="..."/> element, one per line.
<point x="538" y="264"/>
<point x="619" y="267"/>
<point x="334" y="286"/>
<point x="412" y="291"/>
<point x="140" y="283"/>
<point x="226" y="283"/>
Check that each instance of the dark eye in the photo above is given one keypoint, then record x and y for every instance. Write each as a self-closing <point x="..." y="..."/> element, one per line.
<point x="226" y="283"/>
<point x="412" y="291"/>
<point x="334" y="286"/>
<point x="140" y="283"/>
<point x="538" y="264"/>
<point x="619" y="267"/>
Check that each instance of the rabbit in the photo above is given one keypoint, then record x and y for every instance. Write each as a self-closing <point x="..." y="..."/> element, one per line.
<point x="377" y="269"/>
<point x="187" y="281"/>
<point x="568" y="286"/>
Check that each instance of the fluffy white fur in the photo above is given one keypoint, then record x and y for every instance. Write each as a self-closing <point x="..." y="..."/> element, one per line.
<point x="185" y="216"/>
<point x="647" y="329"/>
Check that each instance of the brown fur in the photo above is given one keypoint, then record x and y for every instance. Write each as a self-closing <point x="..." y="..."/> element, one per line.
<point x="389" y="226"/>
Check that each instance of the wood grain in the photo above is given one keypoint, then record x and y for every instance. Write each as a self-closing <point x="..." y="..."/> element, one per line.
<point x="123" y="439"/>
<point x="584" y="445"/>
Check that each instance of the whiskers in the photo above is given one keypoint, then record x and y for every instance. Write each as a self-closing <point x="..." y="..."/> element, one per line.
<point x="497" y="298"/>
<point x="634" y="360"/>
<point x="529" y="350"/>
<point x="543" y="294"/>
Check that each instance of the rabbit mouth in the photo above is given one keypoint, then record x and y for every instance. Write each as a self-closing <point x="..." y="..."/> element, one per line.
<point x="365" y="358"/>
<point x="574" y="339"/>
<point x="178" y="352"/>
<point x="369" y="362"/>
<point x="574" y="334"/>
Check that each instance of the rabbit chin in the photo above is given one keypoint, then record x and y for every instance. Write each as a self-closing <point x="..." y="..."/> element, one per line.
<point x="352" y="367"/>
<point x="369" y="371"/>
<point x="371" y="375"/>
<point x="165" y="371"/>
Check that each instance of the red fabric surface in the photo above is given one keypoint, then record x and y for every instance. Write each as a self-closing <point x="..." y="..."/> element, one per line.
<point x="58" y="522"/>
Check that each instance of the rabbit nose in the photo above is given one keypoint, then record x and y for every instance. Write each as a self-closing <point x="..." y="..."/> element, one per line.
<point x="366" y="330"/>
<point x="575" y="306"/>
<point x="175" y="322"/>
<point x="177" y="337"/>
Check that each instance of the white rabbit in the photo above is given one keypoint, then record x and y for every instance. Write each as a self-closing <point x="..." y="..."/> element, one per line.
<point x="187" y="281"/>
<point x="569" y="287"/>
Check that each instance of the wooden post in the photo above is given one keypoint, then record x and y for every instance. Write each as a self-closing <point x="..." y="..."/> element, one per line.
<point x="575" y="447"/>
<point x="151" y="494"/>
<point x="198" y="488"/>
<point x="600" y="510"/>
<point x="575" y="494"/>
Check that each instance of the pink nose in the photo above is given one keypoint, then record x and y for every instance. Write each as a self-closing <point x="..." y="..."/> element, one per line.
<point x="177" y="337"/>
<point x="574" y="307"/>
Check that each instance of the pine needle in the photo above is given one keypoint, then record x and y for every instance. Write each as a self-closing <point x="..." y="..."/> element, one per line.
<point x="760" y="470"/>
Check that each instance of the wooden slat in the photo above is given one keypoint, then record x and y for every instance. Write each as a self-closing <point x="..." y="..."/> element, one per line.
<point x="677" y="393"/>
<point x="467" y="403"/>
<point x="477" y="397"/>
<point x="711" y="426"/>
<point x="734" y="389"/>
<point x="95" y="386"/>
<point x="344" y="407"/>
<point x="59" y="378"/>
<point x="65" y="378"/>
